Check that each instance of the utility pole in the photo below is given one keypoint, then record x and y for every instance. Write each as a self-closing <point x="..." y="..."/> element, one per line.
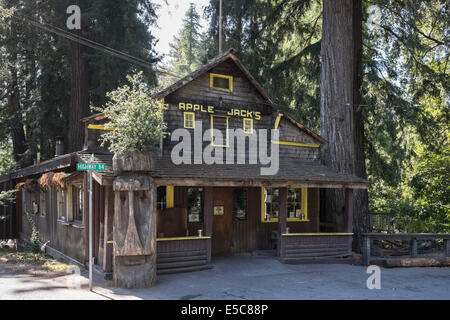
<point x="91" y="158"/>
<point x="220" y="27"/>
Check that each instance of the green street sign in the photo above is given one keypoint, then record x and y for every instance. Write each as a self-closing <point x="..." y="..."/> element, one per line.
<point x="93" y="167"/>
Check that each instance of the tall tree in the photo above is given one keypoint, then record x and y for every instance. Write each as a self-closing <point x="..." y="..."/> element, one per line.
<point x="79" y="88"/>
<point x="185" y="50"/>
<point x="47" y="82"/>
<point x="341" y="123"/>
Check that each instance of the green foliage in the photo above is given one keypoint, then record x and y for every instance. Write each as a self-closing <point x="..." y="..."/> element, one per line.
<point x="186" y="48"/>
<point x="34" y="244"/>
<point x="35" y="66"/>
<point x="136" y="117"/>
<point x="6" y="197"/>
<point x="7" y="163"/>
<point x="405" y="63"/>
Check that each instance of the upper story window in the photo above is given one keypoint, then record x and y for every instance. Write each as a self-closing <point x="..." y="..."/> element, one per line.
<point x="248" y="125"/>
<point x="221" y="82"/>
<point x="189" y="120"/>
<point x="219" y="131"/>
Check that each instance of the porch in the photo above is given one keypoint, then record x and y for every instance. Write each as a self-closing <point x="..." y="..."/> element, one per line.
<point x="192" y="246"/>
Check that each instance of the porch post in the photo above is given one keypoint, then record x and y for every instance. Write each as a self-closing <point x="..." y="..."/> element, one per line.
<point x="349" y="210"/>
<point x="208" y="219"/>
<point x="413" y="248"/>
<point x="282" y="214"/>
<point x="447" y="247"/>
<point x="349" y="216"/>
<point x="134" y="226"/>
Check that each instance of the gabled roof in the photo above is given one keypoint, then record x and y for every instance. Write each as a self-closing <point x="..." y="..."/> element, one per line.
<point x="213" y="63"/>
<point x="230" y="54"/>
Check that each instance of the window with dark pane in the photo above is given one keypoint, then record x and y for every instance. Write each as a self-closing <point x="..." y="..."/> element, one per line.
<point x="161" y="198"/>
<point x="271" y="199"/>
<point x="221" y="83"/>
<point x="240" y="204"/>
<point x="195" y="204"/>
<point x="77" y="202"/>
<point x="294" y="203"/>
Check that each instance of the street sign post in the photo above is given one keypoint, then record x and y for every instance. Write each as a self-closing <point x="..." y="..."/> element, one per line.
<point x="89" y="166"/>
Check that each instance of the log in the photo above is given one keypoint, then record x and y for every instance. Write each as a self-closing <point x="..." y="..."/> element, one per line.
<point x="417" y="262"/>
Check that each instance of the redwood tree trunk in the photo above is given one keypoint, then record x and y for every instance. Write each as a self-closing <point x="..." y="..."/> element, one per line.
<point x="79" y="93"/>
<point x="341" y="122"/>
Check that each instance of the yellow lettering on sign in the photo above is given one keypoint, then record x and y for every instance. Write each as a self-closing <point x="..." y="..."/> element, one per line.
<point x="196" y="107"/>
<point x="258" y="115"/>
<point x="181" y="106"/>
<point x="210" y="109"/>
<point x="189" y="106"/>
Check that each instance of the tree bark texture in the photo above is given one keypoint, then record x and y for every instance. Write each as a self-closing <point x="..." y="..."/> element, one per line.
<point x="79" y="93"/>
<point x="341" y="120"/>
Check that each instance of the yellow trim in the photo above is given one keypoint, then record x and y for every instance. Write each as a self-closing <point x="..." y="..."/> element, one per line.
<point x="169" y="196"/>
<point x="296" y="144"/>
<point x="100" y="127"/>
<point x="319" y="234"/>
<point x="304" y="205"/>
<point x="212" y="135"/>
<point x="251" y="125"/>
<point x="305" y="202"/>
<point x="193" y="120"/>
<point x="277" y="122"/>
<point x="211" y="81"/>
<point x="182" y="238"/>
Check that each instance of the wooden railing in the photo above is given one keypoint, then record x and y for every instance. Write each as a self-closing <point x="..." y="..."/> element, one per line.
<point x="182" y="254"/>
<point x="312" y="246"/>
<point x="411" y="237"/>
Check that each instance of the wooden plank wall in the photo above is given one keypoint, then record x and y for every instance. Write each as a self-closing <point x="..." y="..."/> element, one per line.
<point x="173" y="254"/>
<point x="252" y="234"/>
<point x="317" y="246"/>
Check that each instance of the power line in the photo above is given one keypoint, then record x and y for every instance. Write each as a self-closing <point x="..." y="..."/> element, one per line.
<point x="146" y="64"/>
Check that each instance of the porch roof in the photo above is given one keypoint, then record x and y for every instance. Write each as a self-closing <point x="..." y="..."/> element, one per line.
<point x="290" y="173"/>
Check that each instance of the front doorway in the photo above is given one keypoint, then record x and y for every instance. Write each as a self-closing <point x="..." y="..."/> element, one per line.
<point x="222" y="220"/>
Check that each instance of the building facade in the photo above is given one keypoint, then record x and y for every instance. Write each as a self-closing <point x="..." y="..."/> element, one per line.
<point x="235" y="174"/>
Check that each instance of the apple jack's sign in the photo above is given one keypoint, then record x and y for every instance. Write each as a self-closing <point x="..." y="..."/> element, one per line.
<point x="183" y="106"/>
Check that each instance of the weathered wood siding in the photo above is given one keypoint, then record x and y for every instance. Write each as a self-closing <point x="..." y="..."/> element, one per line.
<point x="8" y="220"/>
<point x="243" y="96"/>
<point x="172" y="254"/>
<point x="252" y="234"/>
<point x="70" y="239"/>
<point x="317" y="246"/>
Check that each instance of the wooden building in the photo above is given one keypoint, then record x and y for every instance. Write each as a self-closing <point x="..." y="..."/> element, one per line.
<point x="202" y="209"/>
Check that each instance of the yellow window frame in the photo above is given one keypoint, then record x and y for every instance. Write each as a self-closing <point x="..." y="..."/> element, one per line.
<point x="251" y="125"/>
<point x="227" y="145"/>
<point x="304" y="206"/>
<point x="169" y="197"/>
<point x="230" y="81"/>
<point x="193" y="120"/>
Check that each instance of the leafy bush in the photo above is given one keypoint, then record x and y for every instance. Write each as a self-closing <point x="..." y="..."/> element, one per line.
<point x="34" y="244"/>
<point x="137" y="118"/>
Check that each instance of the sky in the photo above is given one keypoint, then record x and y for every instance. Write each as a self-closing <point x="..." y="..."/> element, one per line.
<point x="170" y="20"/>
